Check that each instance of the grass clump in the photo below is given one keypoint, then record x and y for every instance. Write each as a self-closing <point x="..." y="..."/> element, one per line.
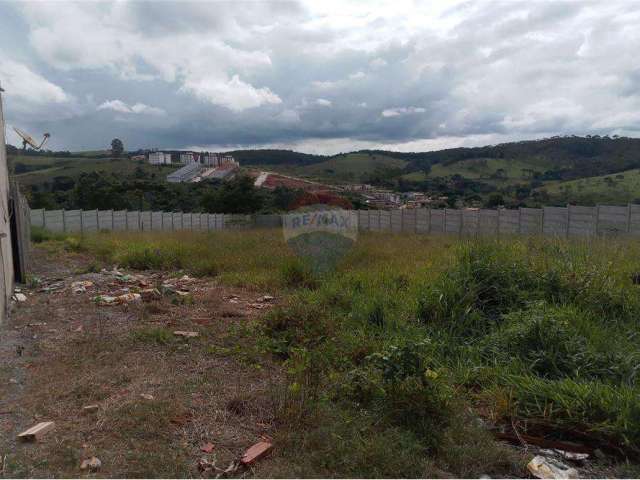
<point x="159" y="336"/>
<point x="39" y="235"/>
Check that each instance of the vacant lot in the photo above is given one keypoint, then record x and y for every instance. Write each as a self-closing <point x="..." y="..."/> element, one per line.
<point x="418" y="356"/>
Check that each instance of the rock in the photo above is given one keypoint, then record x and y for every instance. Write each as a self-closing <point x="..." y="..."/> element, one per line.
<point x="545" y="467"/>
<point x="256" y="452"/>
<point x="266" y="299"/>
<point x="146" y="396"/>
<point x="186" y="334"/>
<point x="19" y="297"/>
<point x="92" y="464"/>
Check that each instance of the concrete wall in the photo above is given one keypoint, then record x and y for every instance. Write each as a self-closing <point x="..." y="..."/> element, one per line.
<point x="571" y="221"/>
<point x="6" y="260"/>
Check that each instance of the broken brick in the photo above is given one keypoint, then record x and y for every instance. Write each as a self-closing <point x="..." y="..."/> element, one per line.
<point x="256" y="452"/>
<point x="207" y="447"/>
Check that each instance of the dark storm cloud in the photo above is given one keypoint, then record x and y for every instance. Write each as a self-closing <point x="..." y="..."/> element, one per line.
<point x="319" y="76"/>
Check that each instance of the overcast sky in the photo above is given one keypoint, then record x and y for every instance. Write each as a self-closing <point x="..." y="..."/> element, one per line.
<point x="322" y="76"/>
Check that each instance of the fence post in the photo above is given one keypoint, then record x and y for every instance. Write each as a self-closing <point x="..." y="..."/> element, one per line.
<point x="64" y="221"/>
<point x="81" y="222"/>
<point x="628" y="218"/>
<point x="568" y="221"/>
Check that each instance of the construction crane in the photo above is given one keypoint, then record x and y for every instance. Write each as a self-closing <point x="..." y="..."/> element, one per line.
<point x="28" y="139"/>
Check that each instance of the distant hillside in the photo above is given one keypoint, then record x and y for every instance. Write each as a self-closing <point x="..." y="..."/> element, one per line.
<point x="275" y="157"/>
<point x="568" y="157"/>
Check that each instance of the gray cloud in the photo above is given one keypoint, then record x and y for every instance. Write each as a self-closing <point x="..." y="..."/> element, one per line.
<point x="320" y="76"/>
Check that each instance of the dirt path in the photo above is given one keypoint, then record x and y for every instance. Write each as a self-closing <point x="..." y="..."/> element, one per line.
<point x="156" y="398"/>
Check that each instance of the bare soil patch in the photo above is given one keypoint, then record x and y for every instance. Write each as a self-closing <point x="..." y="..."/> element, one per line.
<point x="156" y="399"/>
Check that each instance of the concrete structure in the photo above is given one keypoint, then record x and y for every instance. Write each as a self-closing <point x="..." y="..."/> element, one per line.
<point x="6" y="260"/>
<point x="185" y="174"/>
<point x="217" y="159"/>
<point x="159" y="158"/>
<point x="571" y="221"/>
<point x="188" y="158"/>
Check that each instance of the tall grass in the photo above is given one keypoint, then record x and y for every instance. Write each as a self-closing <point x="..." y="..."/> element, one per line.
<point x="412" y="333"/>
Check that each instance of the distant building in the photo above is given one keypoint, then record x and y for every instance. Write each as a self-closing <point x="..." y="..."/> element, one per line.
<point x="217" y="160"/>
<point x="185" y="174"/>
<point x="159" y="158"/>
<point x="188" y="158"/>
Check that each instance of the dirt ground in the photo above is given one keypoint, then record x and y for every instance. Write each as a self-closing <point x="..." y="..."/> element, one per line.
<point x="156" y="399"/>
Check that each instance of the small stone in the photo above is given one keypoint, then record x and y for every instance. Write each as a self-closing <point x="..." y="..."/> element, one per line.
<point x="184" y="334"/>
<point x="20" y="297"/>
<point x="147" y="396"/>
<point x="90" y="408"/>
<point x="92" y="464"/>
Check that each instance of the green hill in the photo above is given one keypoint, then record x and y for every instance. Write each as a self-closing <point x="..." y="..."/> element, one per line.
<point x="492" y="170"/>
<point x="618" y="188"/>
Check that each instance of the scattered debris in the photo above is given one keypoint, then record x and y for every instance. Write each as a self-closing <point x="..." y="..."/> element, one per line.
<point x="37" y="431"/>
<point x="207" y="447"/>
<point x="147" y="396"/>
<point x="37" y="324"/>
<point x="19" y="297"/>
<point x="129" y="298"/>
<point x="185" y="334"/>
<point x="81" y="286"/>
<point x="545" y="467"/>
<point x="543" y="442"/>
<point x="14" y="381"/>
<point x="92" y="464"/>
<point x="182" y="293"/>
<point x="106" y="300"/>
<point x="90" y="408"/>
<point x="266" y="299"/>
<point x="576" y="457"/>
<point x="256" y="452"/>
<point x="52" y="287"/>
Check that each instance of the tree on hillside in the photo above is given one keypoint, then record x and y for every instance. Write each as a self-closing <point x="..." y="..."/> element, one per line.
<point x="236" y="196"/>
<point x="117" y="147"/>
